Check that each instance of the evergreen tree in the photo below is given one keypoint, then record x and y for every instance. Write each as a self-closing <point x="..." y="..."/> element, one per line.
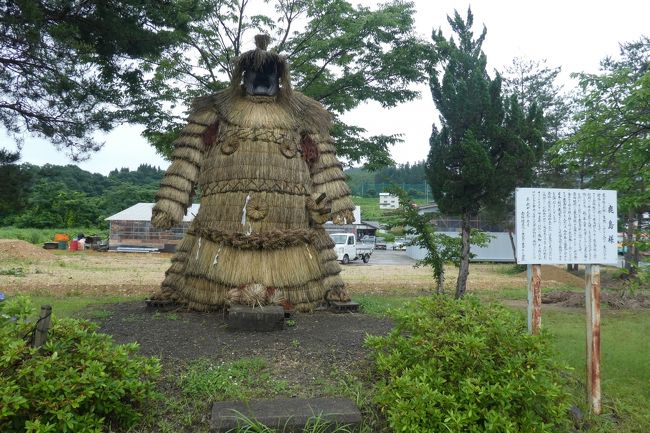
<point x="14" y="186"/>
<point x="534" y="83"/>
<point x="71" y="67"/>
<point x="483" y="149"/>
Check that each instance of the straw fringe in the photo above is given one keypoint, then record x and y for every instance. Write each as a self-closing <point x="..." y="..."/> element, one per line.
<point x="326" y="147"/>
<point x="204" y="117"/>
<point x="289" y="267"/>
<point x="293" y="111"/>
<point x="177" y="182"/>
<point x="167" y="213"/>
<point x="183" y="169"/>
<point x="327" y="255"/>
<point x="190" y="141"/>
<point x="322" y="241"/>
<point x="334" y="190"/>
<point x="326" y="160"/>
<point x="180" y="197"/>
<point x="328" y="175"/>
<point x="188" y="154"/>
<point x="194" y="129"/>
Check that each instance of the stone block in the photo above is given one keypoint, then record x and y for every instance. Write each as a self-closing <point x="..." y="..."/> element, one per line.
<point x="288" y="414"/>
<point x="344" y="307"/>
<point x="245" y="318"/>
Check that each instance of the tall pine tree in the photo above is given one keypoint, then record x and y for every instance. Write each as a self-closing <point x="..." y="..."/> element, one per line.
<point x="483" y="149"/>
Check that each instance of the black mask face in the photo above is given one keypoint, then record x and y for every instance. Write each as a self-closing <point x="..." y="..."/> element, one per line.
<point x="262" y="82"/>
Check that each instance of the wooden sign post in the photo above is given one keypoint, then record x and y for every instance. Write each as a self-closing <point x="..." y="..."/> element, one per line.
<point x="592" y="303"/>
<point x="534" y="299"/>
<point x="568" y="226"/>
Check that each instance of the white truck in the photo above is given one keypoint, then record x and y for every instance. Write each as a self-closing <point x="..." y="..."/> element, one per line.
<point x="347" y="248"/>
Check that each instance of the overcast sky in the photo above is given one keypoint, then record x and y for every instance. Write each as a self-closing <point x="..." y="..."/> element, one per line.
<point x="573" y="34"/>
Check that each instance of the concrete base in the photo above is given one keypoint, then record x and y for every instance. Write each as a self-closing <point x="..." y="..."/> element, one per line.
<point x="245" y="318"/>
<point x="290" y="414"/>
<point x="344" y="307"/>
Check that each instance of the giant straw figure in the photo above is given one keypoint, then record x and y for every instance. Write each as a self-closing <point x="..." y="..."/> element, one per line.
<point x="269" y="178"/>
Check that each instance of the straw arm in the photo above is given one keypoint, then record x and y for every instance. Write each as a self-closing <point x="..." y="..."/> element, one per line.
<point x="328" y="178"/>
<point x="177" y="186"/>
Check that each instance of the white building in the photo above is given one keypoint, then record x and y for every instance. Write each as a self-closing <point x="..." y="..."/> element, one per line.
<point x="388" y="201"/>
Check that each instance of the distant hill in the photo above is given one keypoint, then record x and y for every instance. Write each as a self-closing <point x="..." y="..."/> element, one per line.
<point x="63" y="196"/>
<point x="409" y="177"/>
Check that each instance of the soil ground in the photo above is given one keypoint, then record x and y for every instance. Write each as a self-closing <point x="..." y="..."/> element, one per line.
<point x="312" y="347"/>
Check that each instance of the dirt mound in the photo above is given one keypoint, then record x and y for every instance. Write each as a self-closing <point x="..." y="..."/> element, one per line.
<point x="617" y="299"/>
<point x="12" y="249"/>
<point x="559" y="275"/>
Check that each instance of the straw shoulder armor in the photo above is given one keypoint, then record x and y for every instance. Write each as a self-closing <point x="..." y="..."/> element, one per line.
<point x="293" y="111"/>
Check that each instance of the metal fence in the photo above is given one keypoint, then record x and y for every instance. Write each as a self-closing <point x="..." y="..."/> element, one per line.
<point x="414" y="190"/>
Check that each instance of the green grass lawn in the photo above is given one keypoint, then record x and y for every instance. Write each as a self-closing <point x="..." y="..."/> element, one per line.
<point x="625" y="362"/>
<point x="78" y="306"/>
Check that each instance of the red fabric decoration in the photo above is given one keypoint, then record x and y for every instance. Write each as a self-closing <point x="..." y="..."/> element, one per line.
<point x="309" y="148"/>
<point x="210" y="135"/>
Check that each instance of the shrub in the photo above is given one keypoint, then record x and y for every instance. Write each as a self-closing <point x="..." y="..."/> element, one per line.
<point x="79" y="381"/>
<point x="461" y="366"/>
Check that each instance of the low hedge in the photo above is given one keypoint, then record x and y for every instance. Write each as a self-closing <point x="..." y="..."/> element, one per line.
<point x="462" y="366"/>
<point x="79" y="381"/>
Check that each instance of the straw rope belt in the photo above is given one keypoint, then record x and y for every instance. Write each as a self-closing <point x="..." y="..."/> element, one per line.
<point x="258" y="185"/>
<point x="278" y="136"/>
<point x="271" y="240"/>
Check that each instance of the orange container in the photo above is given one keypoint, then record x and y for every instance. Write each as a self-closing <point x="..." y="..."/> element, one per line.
<point x="74" y="245"/>
<point x="61" y="237"/>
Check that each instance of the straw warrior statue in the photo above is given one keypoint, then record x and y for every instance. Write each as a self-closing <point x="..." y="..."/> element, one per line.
<point x="269" y="178"/>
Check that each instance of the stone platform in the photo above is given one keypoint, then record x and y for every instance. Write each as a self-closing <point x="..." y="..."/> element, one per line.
<point x="289" y="414"/>
<point x="344" y="307"/>
<point x="245" y="318"/>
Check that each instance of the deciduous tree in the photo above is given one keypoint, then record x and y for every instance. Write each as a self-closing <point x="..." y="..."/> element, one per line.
<point x="341" y="55"/>
<point x="611" y="147"/>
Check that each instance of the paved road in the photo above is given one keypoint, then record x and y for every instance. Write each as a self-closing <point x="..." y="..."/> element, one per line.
<point x="387" y="257"/>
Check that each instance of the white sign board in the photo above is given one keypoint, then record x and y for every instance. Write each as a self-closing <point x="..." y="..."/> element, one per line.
<point x="556" y="226"/>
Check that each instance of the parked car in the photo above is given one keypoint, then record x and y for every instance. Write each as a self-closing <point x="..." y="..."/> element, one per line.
<point x="347" y="248"/>
<point x="399" y="244"/>
<point x="368" y="239"/>
<point x="380" y="244"/>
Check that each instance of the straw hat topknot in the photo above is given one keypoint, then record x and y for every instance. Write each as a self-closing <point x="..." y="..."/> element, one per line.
<point x="269" y="178"/>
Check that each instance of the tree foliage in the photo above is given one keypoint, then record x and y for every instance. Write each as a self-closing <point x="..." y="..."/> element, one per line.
<point x="341" y="55"/>
<point x="439" y="247"/>
<point x="54" y="196"/>
<point x="611" y="146"/>
<point x="72" y="67"/>
<point x="13" y="194"/>
<point x="534" y="83"/>
<point x="484" y="148"/>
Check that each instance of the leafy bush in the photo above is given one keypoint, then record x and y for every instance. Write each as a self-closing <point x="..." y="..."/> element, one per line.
<point x="79" y="381"/>
<point x="461" y="366"/>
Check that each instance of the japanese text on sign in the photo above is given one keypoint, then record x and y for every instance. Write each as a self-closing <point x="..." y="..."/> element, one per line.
<point x="556" y="226"/>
